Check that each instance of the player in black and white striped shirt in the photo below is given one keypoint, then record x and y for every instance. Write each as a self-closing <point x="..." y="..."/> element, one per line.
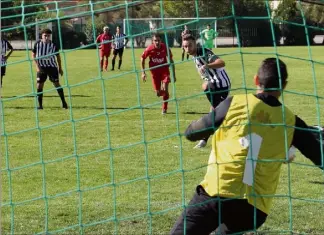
<point x="44" y="53"/>
<point x="211" y="69"/>
<point x="120" y="41"/>
<point x="5" y="47"/>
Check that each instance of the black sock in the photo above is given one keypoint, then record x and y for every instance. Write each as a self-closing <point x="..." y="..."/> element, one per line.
<point x="40" y="97"/>
<point x="187" y="56"/>
<point x="113" y="63"/>
<point x="61" y="94"/>
<point x="182" y="57"/>
<point x="119" y="63"/>
<point x="209" y="96"/>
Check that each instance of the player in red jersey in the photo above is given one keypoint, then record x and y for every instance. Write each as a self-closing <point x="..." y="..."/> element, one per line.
<point x="158" y="54"/>
<point x="105" y="46"/>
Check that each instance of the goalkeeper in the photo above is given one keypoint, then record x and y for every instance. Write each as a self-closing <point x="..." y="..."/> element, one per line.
<point x="208" y="35"/>
<point x="232" y="182"/>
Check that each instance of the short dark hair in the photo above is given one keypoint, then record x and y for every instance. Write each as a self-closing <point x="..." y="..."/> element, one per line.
<point x="46" y="31"/>
<point x="268" y="73"/>
<point x="118" y="26"/>
<point x="188" y="37"/>
<point x="157" y="35"/>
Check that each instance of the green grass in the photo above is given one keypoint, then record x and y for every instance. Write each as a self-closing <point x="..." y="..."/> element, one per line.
<point x="125" y="169"/>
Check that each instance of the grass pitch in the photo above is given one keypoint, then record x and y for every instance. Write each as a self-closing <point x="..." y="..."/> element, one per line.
<point x="114" y="165"/>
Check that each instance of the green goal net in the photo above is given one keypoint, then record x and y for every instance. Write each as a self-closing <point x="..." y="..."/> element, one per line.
<point x="111" y="163"/>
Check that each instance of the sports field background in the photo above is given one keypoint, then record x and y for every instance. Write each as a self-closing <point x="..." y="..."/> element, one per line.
<point x="126" y="169"/>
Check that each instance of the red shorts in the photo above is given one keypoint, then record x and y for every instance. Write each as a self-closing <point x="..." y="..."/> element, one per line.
<point x="105" y="53"/>
<point x="158" y="78"/>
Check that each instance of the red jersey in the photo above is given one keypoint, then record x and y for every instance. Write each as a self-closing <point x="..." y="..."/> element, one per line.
<point x="101" y="39"/>
<point x="157" y="57"/>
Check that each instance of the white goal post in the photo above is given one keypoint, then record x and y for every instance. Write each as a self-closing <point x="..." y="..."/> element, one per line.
<point x="164" y="22"/>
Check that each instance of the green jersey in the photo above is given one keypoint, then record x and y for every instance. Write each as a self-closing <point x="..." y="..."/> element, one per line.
<point x="209" y="34"/>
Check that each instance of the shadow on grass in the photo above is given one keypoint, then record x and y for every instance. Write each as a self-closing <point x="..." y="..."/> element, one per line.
<point x="33" y="96"/>
<point x="195" y="113"/>
<point x="317" y="182"/>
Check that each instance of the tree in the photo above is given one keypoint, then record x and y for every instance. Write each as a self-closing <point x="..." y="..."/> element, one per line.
<point x="255" y="32"/>
<point x="12" y="18"/>
<point x="290" y="12"/>
<point x="314" y="11"/>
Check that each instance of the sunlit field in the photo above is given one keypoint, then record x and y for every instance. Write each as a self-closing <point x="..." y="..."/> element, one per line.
<point x="113" y="164"/>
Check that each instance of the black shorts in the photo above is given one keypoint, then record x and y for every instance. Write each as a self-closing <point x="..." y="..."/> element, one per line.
<point x="204" y="214"/>
<point x="216" y="95"/>
<point x="3" y="70"/>
<point x="51" y="72"/>
<point x="119" y="52"/>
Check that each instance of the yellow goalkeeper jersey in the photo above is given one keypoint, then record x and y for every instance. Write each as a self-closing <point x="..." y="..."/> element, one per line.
<point x="248" y="150"/>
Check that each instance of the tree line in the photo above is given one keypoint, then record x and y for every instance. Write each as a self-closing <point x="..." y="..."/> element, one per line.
<point x="234" y="18"/>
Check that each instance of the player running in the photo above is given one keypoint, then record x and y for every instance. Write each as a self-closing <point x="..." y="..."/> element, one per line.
<point x="159" y="67"/>
<point x="212" y="70"/>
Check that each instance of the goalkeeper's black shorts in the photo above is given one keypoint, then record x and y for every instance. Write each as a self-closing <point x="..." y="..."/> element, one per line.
<point x="205" y="214"/>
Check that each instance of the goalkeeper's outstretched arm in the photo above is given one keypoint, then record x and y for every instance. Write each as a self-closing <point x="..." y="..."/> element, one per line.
<point x="208" y="124"/>
<point x="309" y="140"/>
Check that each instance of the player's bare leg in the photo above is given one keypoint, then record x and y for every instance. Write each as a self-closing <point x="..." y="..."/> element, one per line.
<point x="40" y="86"/>
<point x="206" y="86"/>
<point x="106" y="62"/>
<point x="101" y="63"/>
<point x="165" y="96"/>
<point x="61" y="94"/>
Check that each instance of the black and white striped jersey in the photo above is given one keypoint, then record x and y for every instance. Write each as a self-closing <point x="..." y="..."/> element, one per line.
<point x="5" y="46"/>
<point x="46" y="52"/>
<point x="218" y="76"/>
<point x="119" y="40"/>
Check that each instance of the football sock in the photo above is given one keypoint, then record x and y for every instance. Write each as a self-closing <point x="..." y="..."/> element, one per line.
<point x="113" y="63"/>
<point x="40" y="97"/>
<point x="101" y="63"/>
<point x="182" y="56"/>
<point x="119" y="63"/>
<point x="209" y="96"/>
<point x="187" y="56"/>
<point x="165" y="97"/>
<point x="61" y="94"/>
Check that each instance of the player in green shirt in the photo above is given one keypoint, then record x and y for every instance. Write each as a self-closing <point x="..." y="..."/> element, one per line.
<point x="208" y="35"/>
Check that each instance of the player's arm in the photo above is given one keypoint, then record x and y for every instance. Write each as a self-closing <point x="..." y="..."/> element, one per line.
<point x="59" y="61"/>
<point x="208" y="124"/>
<point x="10" y="50"/>
<point x="307" y="140"/>
<point x="202" y="34"/>
<point x="172" y="65"/>
<point x="126" y="41"/>
<point x="34" y="57"/>
<point x="143" y="58"/>
<point x="214" y="62"/>
<point x="98" y="40"/>
<point x="215" y="34"/>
